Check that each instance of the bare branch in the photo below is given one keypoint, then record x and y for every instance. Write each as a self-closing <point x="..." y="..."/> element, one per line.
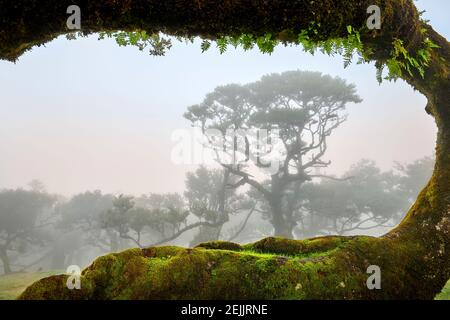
<point x="330" y="177"/>
<point x="244" y="224"/>
<point x="180" y="232"/>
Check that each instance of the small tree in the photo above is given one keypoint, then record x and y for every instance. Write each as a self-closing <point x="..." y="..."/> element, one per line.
<point x="20" y="211"/>
<point x="166" y="213"/>
<point x="116" y="220"/>
<point x="84" y="211"/>
<point x="160" y="214"/>
<point x="210" y="199"/>
<point x="369" y="199"/>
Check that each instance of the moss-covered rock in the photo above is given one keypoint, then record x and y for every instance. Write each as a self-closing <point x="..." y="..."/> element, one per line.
<point x="216" y="270"/>
<point x="273" y="268"/>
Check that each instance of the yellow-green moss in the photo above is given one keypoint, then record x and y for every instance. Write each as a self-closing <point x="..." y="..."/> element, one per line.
<point x="201" y="273"/>
<point x="224" y="245"/>
<point x="296" y="247"/>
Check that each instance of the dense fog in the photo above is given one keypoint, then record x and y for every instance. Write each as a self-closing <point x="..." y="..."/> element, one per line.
<point x="106" y="148"/>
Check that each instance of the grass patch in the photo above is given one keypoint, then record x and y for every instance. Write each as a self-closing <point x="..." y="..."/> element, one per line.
<point x="12" y="285"/>
<point x="445" y="293"/>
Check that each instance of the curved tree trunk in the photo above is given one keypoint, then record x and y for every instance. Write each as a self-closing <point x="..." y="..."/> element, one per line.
<point x="414" y="257"/>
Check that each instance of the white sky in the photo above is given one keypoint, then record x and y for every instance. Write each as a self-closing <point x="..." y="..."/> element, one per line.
<point x="86" y="114"/>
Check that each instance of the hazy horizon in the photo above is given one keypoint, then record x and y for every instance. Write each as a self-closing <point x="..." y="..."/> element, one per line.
<point x="86" y="114"/>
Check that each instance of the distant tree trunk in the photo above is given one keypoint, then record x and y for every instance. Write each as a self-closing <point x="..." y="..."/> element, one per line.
<point x="5" y="260"/>
<point x="282" y="228"/>
<point x="281" y="210"/>
<point x="223" y="214"/>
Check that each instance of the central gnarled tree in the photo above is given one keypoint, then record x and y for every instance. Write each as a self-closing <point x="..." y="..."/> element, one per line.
<point x="414" y="257"/>
<point x="301" y="108"/>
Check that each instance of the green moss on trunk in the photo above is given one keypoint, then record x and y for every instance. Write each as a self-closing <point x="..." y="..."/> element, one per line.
<point x="322" y="268"/>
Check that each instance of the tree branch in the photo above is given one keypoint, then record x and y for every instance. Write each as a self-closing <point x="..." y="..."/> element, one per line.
<point x="330" y="177"/>
<point x="180" y="232"/>
<point x="244" y="224"/>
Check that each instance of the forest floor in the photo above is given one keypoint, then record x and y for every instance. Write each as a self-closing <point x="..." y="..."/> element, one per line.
<point x="11" y="286"/>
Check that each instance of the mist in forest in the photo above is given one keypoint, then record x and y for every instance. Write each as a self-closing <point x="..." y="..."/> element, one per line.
<point x="261" y="156"/>
<point x="105" y="148"/>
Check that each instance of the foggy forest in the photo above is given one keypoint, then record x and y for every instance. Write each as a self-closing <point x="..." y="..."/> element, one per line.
<point x="204" y="160"/>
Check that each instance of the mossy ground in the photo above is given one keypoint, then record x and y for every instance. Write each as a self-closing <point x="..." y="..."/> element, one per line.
<point x="268" y="269"/>
<point x="272" y="268"/>
<point x="11" y="286"/>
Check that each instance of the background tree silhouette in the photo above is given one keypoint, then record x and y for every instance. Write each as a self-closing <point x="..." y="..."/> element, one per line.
<point x="22" y="216"/>
<point x="304" y="108"/>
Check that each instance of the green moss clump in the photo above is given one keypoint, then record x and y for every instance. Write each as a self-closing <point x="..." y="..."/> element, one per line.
<point x="223" y="245"/>
<point x="273" y="268"/>
<point x="177" y="273"/>
<point x="296" y="247"/>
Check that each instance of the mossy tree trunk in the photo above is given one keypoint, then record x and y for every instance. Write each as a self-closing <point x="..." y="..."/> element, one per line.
<point x="414" y="257"/>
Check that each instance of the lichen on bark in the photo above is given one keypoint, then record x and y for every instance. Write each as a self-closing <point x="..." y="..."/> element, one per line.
<point x="414" y="257"/>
